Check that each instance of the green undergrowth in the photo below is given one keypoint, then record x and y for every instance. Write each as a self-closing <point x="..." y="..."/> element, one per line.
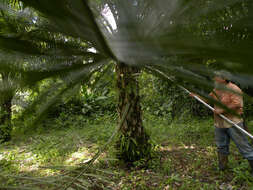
<point x="183" y="157"/>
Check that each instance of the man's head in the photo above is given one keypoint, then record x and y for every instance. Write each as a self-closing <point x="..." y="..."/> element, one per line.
<point x="221" y="77"/>
<point x="220" y="80"/>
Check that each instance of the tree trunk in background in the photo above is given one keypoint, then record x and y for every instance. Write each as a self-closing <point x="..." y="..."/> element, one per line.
<point x="5" y="114"/>
<point x="133" y="143"/>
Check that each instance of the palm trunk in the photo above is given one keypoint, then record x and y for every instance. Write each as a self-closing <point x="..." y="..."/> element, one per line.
<point x="5" y="116"/>
<point x="133" y="143"/>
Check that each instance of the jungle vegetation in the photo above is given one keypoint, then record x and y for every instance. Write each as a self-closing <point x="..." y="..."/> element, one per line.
<point x="110" y="69"/>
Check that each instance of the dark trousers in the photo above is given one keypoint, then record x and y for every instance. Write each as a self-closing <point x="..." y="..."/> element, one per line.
<point x="222" y="139"/>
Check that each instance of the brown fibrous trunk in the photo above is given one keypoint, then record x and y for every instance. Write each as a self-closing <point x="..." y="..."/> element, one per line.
<point x="133" y="143"/>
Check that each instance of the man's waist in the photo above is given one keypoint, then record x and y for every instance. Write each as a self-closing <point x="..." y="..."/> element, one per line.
<point x="220" y="122"/>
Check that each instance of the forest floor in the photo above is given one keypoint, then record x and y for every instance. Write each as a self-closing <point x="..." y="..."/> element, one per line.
<point x="183" y="157"/>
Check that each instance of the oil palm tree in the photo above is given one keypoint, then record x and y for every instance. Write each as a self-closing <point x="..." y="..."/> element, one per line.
<point x="75" y="38"/>
<point x="8" y="87"/>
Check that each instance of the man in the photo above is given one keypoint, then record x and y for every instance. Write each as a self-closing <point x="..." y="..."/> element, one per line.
<point x="230" y="96"/>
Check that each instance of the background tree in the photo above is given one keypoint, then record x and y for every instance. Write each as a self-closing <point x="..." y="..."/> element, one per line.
<point x="6" y="102"/>
<point x="7" y="82"/>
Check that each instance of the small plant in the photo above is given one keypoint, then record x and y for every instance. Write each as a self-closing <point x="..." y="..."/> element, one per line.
<point x="241" y="174"/>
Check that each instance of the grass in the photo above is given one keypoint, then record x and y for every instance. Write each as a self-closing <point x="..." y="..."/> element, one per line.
<point x="183" y="157"/>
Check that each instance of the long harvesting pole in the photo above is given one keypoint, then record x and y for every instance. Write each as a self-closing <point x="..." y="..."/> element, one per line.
<point x="207" y="105"/>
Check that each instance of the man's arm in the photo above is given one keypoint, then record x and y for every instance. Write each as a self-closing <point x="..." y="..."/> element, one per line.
<point x="236" y="99"/>
<point x="217" y="110"/>
<point x="200" y="97"/>
<point x="214" y="96"/>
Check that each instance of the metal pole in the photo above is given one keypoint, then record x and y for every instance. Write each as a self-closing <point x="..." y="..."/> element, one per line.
<point x="207" y="105"/>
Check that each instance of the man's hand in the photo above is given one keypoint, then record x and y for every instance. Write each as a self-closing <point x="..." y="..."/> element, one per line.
<point x="192" y="94"/>
<point x="218" y="111"/>
<point x="226" y="99"/>
<point x="240" y="111"/>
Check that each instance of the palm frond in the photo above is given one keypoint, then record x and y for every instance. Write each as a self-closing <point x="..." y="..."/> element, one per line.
<point x="147" y="32"/>
<point x="46" y="100"/>
<point x="150" y="32"/>
<point x="73" y="18"/>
